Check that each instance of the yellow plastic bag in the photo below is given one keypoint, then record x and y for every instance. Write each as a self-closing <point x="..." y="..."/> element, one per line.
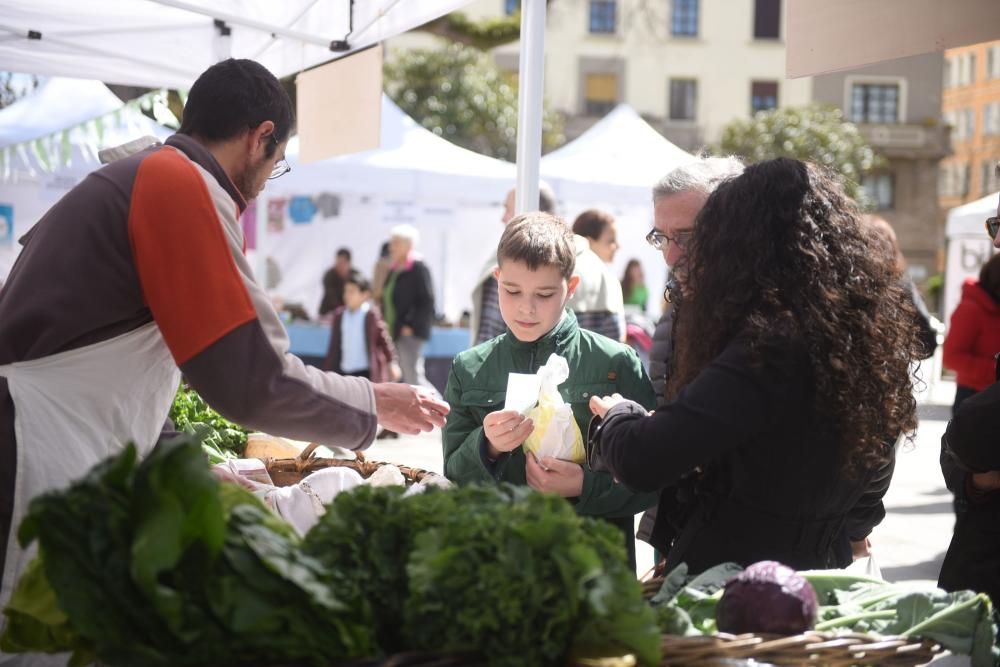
<point x="556" y="432"/>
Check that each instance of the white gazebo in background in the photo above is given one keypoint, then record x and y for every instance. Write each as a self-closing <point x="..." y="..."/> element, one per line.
<point x="613" y="166"/>
<point x="968" y="246"/>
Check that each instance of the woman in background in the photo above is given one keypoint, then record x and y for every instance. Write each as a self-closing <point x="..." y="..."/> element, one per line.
<point x="634" y="285"/>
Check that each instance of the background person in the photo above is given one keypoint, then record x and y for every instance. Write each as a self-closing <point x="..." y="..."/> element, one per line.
<point x="634" y="288"/>
<point x="601" y="232"/>
<point x="973" y="336"/>
<point x="333" y="282"/>
<point x="408" y="304"/>
<point x="359" y="339"/>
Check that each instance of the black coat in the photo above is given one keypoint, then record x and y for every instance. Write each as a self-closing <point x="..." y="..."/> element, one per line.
<point x="745" y="471"/>
<point x="973" y="439"/>
<point x="413" y="299"/>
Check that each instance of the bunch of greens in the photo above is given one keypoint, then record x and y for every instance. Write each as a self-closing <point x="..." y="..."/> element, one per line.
<point x="157" y="564"/>
<point x="369" y="533"/>
<point x="961" y="622"/>
<point x="503" y="572"/>
<point x="518" y="577"/>
<point x="221" y="439"/>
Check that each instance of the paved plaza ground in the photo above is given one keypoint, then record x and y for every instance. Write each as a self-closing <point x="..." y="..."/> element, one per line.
<point x="909" y="544"/>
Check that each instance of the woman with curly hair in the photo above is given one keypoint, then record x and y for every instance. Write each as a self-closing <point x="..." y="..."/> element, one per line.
<point x="791" y="380"/>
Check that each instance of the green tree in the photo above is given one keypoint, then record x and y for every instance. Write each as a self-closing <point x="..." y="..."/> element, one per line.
<point x="458" y="93"/>
<point x="815" y="133"/>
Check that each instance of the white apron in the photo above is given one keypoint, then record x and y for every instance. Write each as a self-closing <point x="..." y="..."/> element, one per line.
<point x="76" y="408"/>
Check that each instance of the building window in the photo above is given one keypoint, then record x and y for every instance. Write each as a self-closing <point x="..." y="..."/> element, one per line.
<point x="985" y="184"/>
<point x="763" y="96"/>
<point x="875" y="103"/>
<point x="684" y="18"/>
<point x="602" y="16"/>
<point x="767" y="19"/>
<point x="990" y="119"/>
<point x="683" y="99"/>
<point x="972" y="68"/>
<point x="965" y="178"/>
<point x="511" y="6"/>
<point x="946" y="81"/>
<point x="993" y="62"/>
<point x="600" y="93"/>
<point x="880" y="191"/>
<point x="970" y="124"/>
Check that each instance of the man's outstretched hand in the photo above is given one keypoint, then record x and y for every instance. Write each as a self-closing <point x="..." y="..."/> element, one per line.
<point x="404" y="408"/>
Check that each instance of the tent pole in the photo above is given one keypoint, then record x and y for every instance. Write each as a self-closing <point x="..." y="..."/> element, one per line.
<point x="529" y="106"/>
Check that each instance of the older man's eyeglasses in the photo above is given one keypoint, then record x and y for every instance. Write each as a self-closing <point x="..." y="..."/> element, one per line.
<point x="993" y="226"/>
<point x="659" y="240"/>
<point x="281" y="166"/>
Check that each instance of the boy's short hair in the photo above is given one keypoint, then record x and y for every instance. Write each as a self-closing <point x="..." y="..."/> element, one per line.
<point x="355" y="278"/>
<point x="539" y="239"/>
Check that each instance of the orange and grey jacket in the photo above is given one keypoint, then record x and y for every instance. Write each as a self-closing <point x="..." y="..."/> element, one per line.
<point x="156" y="237"/>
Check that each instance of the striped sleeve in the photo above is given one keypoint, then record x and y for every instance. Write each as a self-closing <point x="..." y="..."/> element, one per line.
<point x="189" y="279"/>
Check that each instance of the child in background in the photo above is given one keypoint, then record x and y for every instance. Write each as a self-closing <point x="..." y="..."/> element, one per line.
<point x="481" y="441"/>
<point x="359" y="340"/>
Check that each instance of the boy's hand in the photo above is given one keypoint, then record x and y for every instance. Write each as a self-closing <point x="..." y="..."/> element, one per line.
<point x="506" y="430"/>
<point x="600" y="405"/>
<point x="555" y="476"/>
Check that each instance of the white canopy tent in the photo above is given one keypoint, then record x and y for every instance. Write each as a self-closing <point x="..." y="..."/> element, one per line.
<point x="49" y="141"/>
<point x="968" y="246"/>
<point x="168" y="43"/>
<point x="452" y="195"/>
<point x="613" y="166"/>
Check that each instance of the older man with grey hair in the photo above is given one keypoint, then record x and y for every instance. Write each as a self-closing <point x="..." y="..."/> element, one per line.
<point x="677" y="199"/>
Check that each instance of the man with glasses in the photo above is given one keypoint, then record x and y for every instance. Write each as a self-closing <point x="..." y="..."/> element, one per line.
<point x="138" y="274"/>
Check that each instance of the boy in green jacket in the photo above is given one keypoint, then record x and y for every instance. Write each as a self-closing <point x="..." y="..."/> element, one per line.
<point x="482" y="442"/>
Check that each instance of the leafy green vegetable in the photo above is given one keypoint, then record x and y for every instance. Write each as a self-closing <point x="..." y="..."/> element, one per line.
<point x="519" y="577"/>
<point x="962" y="622"/>
<point x="369" y="533"/>
<point x="156" y="565"/>
<point x="220" y="438"/>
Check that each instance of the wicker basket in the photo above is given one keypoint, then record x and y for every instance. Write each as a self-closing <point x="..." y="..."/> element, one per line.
<point x="286" y="472"/>
<point x="809" y="648"/>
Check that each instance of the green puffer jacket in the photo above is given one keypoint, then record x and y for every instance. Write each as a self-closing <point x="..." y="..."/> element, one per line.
<point x="598" y="366"/>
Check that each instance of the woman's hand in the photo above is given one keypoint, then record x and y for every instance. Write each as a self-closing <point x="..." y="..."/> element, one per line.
<point x="861" y="548"/>
<point x="600" y="405"/>
<point x="554" y="476"/>
<point x="985" y="482"/>
<point x="505" y="431"/>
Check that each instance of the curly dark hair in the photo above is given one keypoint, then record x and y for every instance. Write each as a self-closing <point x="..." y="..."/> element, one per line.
<point x="781" y="255"/>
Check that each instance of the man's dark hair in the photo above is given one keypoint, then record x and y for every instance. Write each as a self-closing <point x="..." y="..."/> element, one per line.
<point x="345" y="253"/>
<point x="234" y="96"/>
<point x="355" y="278"/>
<point x="538" y="239"/>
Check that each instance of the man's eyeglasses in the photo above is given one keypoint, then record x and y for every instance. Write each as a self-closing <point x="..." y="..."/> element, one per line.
<point x="992" y="226"/>
<point x="658" y="239"/>
<point x="281" y="166"/>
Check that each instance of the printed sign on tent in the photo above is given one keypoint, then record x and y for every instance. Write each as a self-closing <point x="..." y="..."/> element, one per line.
<point x="6" y="224"/>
